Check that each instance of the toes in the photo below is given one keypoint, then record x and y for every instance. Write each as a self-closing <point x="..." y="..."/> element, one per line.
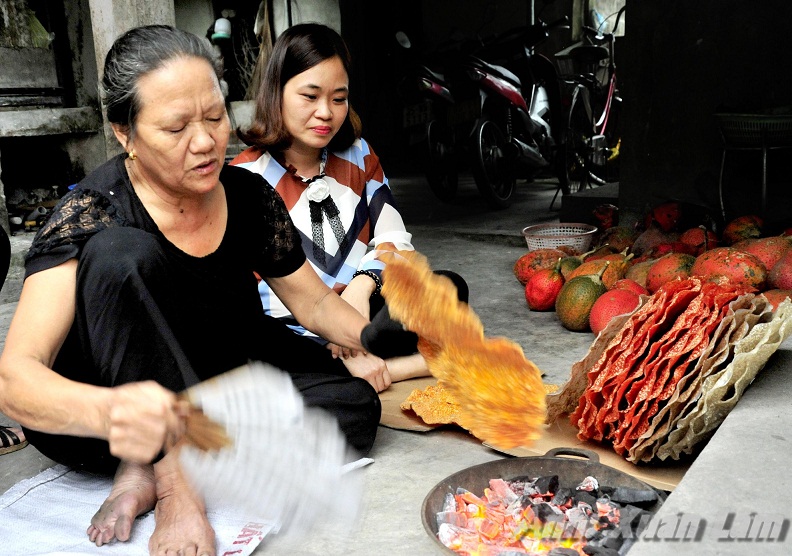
<point x="104" y="537"/>
<point x="98" y="536"/>
<point x="123" y="528"/>
<point x="189" y="550"/>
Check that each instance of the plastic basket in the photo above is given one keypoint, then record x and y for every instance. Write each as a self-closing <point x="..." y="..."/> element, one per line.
<point x="755" y="130"/>
<point x="549" y="236"/>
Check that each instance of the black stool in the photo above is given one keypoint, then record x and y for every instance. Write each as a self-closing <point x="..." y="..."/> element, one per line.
<point x="752" y="132"/>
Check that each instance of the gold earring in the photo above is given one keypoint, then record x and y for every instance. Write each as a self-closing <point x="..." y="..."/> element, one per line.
<point x="132" y="155"/>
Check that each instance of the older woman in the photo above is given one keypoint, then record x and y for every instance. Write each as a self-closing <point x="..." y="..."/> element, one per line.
<point x="306" y="141"/>
<point x="141" y="284"/>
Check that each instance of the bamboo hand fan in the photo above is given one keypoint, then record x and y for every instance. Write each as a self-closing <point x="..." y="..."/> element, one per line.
<point x="260" y="450"/>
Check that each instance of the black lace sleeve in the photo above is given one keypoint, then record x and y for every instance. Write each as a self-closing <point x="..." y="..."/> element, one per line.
<point x="264" y="233"/>
<point x="285" y="249"/>
<point x="77" y="217"/>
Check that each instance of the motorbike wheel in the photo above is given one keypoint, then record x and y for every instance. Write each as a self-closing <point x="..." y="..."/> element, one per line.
<point x="441" y="169"/>
<point x="573" y="154"/>
<point x="491" y="169"/>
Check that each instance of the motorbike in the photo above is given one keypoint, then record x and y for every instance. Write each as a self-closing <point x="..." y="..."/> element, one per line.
<point x="426" y="117"/>
<point x="516" y="133"/>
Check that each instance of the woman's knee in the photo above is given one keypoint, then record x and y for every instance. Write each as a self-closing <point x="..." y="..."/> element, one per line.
<point x="463" y="292"/>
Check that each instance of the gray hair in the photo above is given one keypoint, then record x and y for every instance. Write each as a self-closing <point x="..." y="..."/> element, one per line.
<point x="139" y="51"/>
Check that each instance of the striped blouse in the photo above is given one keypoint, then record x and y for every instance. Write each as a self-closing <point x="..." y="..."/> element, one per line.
<point x="366" y="209"/>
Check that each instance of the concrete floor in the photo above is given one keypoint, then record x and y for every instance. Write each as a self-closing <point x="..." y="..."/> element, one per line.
<point x="480" y="244"/>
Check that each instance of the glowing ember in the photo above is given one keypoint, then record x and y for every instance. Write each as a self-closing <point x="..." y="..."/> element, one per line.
<point x="536" y="517"/>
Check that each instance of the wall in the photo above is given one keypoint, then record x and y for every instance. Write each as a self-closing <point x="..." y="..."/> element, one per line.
<point x="195" y="16"/>
<point x="682" y="62"/>
<point x="66" y="135"/>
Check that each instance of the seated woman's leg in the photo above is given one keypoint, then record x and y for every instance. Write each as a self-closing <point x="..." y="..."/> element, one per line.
<point x="120" y="334"/>
<point x="324" y="382"/>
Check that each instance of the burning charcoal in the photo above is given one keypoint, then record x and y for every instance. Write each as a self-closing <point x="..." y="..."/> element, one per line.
<point x="612" y="539"/>
<point x="635" y="518"/>
<point x="599" y="551"/>
<point x="585" y="497"/>
<point x="576" y="514"/>
<point x="562" y="496"/>
<point x="525" y="500"/>
<point x="546" y="512"/>
<point x="608" y="511"/>
<point x="501" y="490"/>
<point x="449" y="503"/>
<point x="636" y="496"/>
<point x="563" y="552"/>
<point x="522" y="488"/>
<point x="452" y="518"/>
<point x="547" y="484"/>
<point x="515" y="508"/>
<point x="594" y="536"/>
<point x="589" y="484"/>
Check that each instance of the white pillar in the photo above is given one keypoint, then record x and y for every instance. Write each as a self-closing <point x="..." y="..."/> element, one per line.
<point x="111" y="18"/>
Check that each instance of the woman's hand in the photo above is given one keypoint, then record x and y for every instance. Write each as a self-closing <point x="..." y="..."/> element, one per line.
<point x="370" y="368"/>
<point x="357" y="294"/>
<point x="143" y="419"/>
<point x="341" y="351"/>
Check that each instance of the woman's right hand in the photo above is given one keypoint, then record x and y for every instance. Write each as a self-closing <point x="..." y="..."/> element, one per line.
<point x="144" y="418"/>
<point x="370" y="368"/>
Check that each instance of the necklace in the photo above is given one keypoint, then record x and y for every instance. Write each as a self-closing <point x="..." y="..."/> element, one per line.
<point x="318" y="190"/>
<point x="321" y="204"/>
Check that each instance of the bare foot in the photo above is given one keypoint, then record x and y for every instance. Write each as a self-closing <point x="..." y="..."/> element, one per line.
<point x="133" y="493"/>
<point x="182" y="526"/>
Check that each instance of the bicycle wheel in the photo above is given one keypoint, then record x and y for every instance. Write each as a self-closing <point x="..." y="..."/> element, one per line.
<point x="573" y="153"/>
<point x="441" y="169"/>
<point x="491" y="169"/>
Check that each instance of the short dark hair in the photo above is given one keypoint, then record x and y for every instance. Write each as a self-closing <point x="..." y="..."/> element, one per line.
<point x="139" y="51"/>
<point x="298" y="48"/>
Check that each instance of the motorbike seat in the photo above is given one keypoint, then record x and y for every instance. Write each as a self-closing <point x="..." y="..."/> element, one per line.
<point x="589" y="53"/>
<point x="431" y="74"/>
<point x="498" y="71"/>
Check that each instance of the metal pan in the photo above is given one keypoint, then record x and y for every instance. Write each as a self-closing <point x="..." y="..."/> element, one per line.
<point x="570" y="471"/>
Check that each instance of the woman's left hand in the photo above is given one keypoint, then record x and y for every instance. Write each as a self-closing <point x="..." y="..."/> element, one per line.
<point x="357" y="294"/>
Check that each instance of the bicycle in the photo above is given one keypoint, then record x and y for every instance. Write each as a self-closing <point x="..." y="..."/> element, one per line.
<point x="588" y="153"/>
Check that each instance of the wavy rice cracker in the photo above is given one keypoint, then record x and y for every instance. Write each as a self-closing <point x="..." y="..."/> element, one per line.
<point x="740" y="316"/>
<point x="500" y="393"/>
<point x="690" y="372"/>
<point x="721" y="391"/>
<point x="434" y="404"/>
